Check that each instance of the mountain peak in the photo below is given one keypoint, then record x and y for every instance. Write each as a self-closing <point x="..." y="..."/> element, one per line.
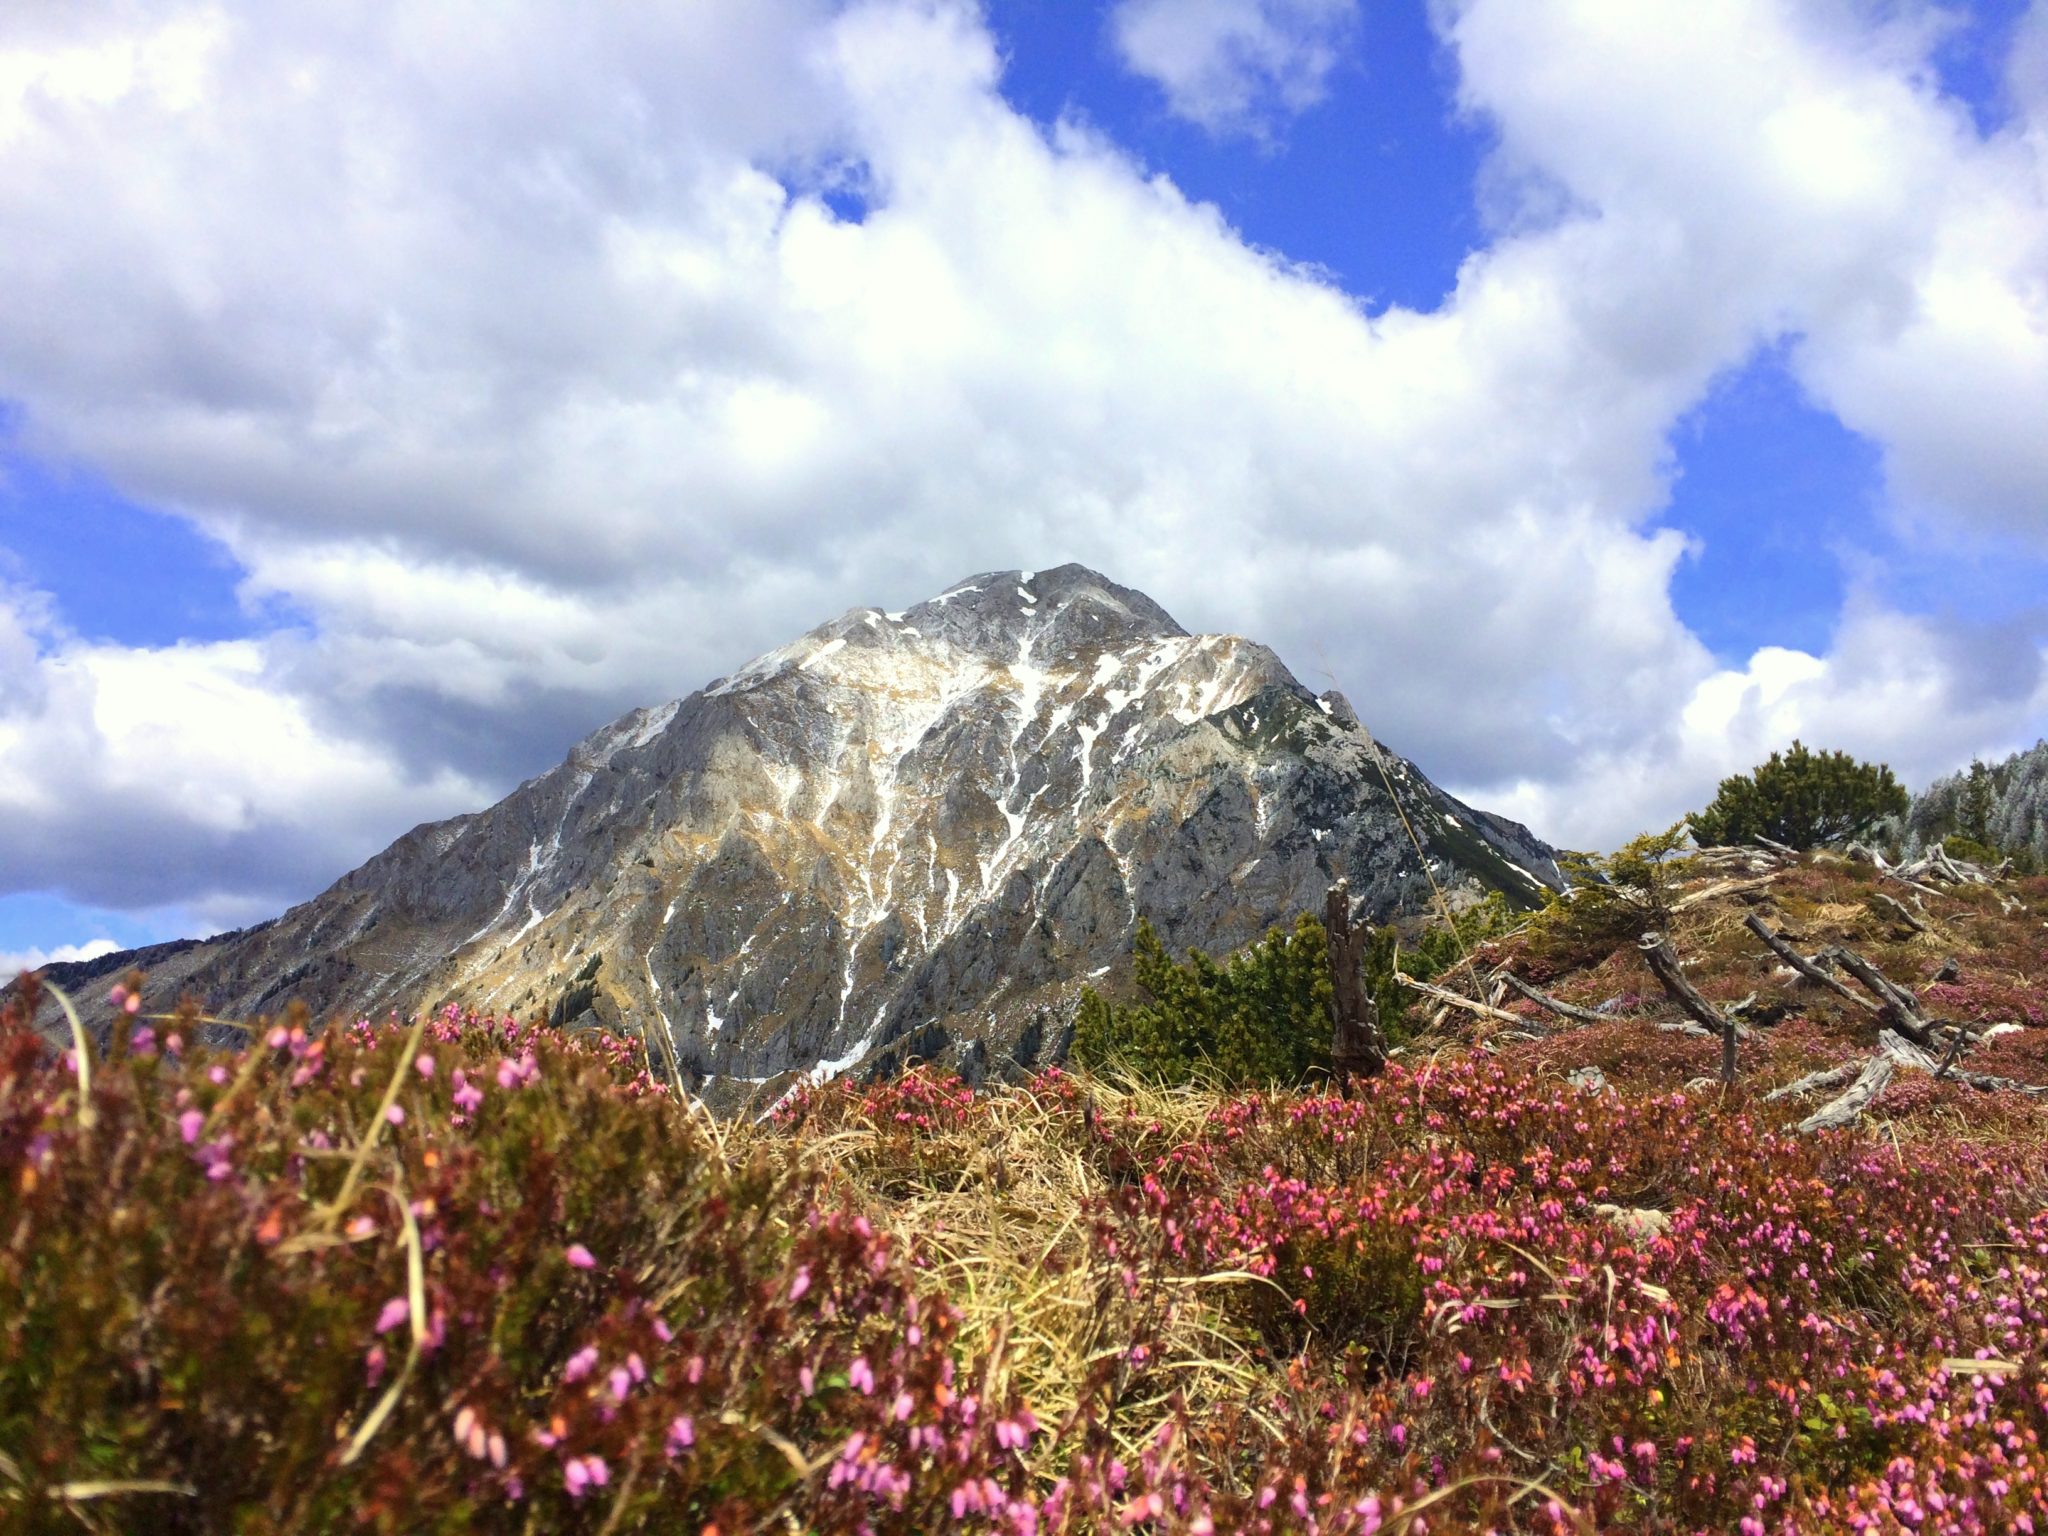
<point x="1054" y="613"/>
<point x="903" y="834"/>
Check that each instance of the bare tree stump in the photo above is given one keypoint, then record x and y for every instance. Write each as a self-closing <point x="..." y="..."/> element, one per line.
<point x="1357" y="1046"/>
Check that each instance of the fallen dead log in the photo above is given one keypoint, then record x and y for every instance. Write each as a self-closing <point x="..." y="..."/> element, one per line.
<point x="1836" y="1113"/>
<point x="1898" y="909"/>
<point x="1904" y="1052"/>
<point x="1805" y="967"/>
<point x="1682" y="1027"/>
<point x="1663" y="963"/>
<point x="1900" y="1008"/>
<point x="1813" y="1082"/>
<point x="1722" y="888"/>
<point x="1990" y="1084"/>
<point x="1455" y="1000"/>
<point x="1554" y="1005"/>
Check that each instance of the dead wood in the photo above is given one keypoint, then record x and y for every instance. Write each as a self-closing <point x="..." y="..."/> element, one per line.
<point x="1900" y="1008"/>
<point x="1663" y="963"/>
<point x="1903" y="1052"/>
<point x="1805" y="967"/>
<point x="1723" y="888"/>
<point x="1554" y="1005"/>
<point x="1870" y="1082"/>
<point x="1813" y="1082"/>
<point x="1454" y="1000"/>
<point x="1358" y="1046"/>
<point x="1898" y="910"/>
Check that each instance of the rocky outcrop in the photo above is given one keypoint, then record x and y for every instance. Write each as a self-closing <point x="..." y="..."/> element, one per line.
<point x="912" y="833"/>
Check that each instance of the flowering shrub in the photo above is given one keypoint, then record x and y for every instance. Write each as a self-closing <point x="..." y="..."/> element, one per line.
<point x="472" y="1275"/>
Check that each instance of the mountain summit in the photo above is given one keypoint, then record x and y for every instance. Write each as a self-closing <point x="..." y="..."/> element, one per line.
<point x="904" y="833"/>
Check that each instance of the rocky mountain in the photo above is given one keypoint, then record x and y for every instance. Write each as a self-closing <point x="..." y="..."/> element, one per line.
<point x="912" y="833"/>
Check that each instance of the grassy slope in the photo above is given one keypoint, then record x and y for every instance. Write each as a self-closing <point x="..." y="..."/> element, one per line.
<point x="1471" y="1297"/>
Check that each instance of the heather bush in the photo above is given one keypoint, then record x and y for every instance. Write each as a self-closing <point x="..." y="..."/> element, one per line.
<point x="473" y="1275"/>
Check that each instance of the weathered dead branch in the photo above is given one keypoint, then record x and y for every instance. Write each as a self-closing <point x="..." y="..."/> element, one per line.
<point x="1870" y="1082"/>
<point x="1805" y="967"/>
<point x="1814" y="1082"/>
<point x="1455" y="1000"/>
<point x="1663" y="963"/>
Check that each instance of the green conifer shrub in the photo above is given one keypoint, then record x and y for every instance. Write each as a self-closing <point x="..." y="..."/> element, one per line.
<point x="1801" y="798"/>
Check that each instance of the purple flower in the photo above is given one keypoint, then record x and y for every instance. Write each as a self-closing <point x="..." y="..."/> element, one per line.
<point x="396" y="1311"/>
<point x="189" y="1125"/>
<point x="579" y="1257"/>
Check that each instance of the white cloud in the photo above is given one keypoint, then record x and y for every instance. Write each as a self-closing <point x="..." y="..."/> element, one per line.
<point x="538" y="378"/>
<point x="1234" y="66"/>
<point x="132" y="777"/>
<point x="14" y="961"/>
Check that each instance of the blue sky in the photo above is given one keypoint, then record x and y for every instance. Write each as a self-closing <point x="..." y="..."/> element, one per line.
<point x="1609" y="392"/>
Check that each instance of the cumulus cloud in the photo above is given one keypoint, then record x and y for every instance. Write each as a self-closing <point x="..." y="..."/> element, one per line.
<point x="1235" y="66"/>
<point x="191" y="773"/>
<point x="535" y="369"/>
<point x="14" y="961"/>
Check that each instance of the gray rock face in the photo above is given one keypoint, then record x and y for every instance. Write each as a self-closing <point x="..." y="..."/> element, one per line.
<point x="904" y="834"/>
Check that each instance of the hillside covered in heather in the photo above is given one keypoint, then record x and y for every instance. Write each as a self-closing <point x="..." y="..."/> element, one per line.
<point x="1543" y="1273"/>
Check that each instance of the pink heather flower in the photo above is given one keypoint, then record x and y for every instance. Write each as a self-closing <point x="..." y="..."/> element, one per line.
<point x="217" y="1075"/>
<point x="190" y="1124"/>
<point x="465" y="1421"/>
<point x="575" y="1477"/>
<point x="278" y="1038"/>
<point x="494" y="1446"/>
<point x="682" y="1434"/>
<point x="423" y="1064"/>
<point x="395" y="1114"/>
<point x="621" y="1382"/>
<point x="397" y="1310"/>
<point x="373" y="1365"/>
<point x="467" y="1094"/>
<point x="800" y="1284"/>
<point x="636" y="1367"/>
<point x="861" y="1377"/>
<point x="579" y="1257"/>
<point x="363" y="1226"/>
<point x="663" y="1332"/>
<point x="581" y="1364"/>
<point x="807" y="1379"/>
<point x="508" y="1077"/>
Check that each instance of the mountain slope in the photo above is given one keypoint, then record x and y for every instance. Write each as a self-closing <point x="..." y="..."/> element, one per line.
<point x="912" y="832"/>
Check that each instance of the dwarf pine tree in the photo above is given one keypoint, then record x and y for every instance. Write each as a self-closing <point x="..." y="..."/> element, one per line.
<point x="1262" y="1017"/>
<point x="1801" y="798"/>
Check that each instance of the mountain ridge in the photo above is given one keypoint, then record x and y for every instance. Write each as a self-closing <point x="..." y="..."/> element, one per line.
<point x="902" y="833"/>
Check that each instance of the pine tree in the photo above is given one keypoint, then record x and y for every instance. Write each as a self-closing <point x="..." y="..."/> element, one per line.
<point x="1801" y="798"/>
<point x="1260" y="1018"/>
